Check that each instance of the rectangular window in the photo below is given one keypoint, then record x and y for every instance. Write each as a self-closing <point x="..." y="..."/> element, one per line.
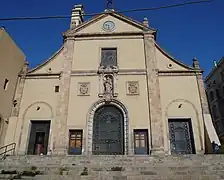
<point x="108" y="57"/>
<point x="75" y="142"/>
<point x="56" y="89"/>
<point x="141" y="141"/>
<point x="6" y="83"/>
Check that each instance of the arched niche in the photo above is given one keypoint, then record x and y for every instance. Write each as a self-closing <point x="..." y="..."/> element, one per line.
<point x="184" y="109"/>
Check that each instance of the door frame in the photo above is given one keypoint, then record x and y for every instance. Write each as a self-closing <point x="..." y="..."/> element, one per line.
<point x="191" y="131"/>
<point x="146" y="131"/>
<point x="69" y="140"/>
<point x="89" y="126"/>
<point x="122" y="131"/>
<point x="29" y="131"/>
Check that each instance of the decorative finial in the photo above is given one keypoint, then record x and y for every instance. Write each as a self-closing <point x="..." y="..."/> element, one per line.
<point x="215" y="63"/>
<point x="196" y="63"/>
<point x="146" y="22"/>
<point x="110" y="5"/>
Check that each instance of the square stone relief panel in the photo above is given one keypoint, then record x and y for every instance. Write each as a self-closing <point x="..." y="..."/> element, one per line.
<point x="132" y="88"/>
<point x="83" y="89"/>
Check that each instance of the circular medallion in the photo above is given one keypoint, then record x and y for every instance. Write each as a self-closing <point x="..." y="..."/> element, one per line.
<point x="108" y="26"/>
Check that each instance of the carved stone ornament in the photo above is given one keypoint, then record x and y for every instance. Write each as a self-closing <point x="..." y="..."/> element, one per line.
<point x="107" y="88"/>
<point x="108" y="80"/>
<point x="108" y="84"/>
<point x="132" y="88"/>
<point x="84" y="89"/>
<point x="108" y="69"/>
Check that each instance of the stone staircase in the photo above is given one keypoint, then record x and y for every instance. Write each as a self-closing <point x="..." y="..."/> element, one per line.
<point x="195" y="167"/>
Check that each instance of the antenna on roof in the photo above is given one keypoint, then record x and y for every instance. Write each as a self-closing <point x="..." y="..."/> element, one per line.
<point x="110" y="5"/>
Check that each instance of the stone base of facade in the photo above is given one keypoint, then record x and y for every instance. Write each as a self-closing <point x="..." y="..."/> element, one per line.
<point x="157" y="151"/>
<point x="61" y="151"/>
<point x="195" y="167"/>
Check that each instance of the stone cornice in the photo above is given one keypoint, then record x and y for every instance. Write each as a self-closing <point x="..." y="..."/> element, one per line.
<point x="43" y="76"/>
<point x="47" y="61"/>
<point x="105" y="38"/>
<point x="104" y="34"/>
<point x="120" y="72"/>
<point x="172" y="58"/>
<point x="84" y="73"/>
<point x="133" y="72"/>
<point x="178" y="73"/>
<point x="123" y="18"/>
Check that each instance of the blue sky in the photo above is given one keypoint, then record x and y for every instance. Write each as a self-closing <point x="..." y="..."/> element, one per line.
<point x="184" y="32"/>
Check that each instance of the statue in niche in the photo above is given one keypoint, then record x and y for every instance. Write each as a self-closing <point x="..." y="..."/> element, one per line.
<point x="108" y="85"/>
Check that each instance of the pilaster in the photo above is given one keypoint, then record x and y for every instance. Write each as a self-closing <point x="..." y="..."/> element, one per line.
<point x="61" y="135"/>
<point x="19" y="90"/>
<point x="203" y="97"/>
<point x="16" y="106"/>
<point x="155" y="111"/>
<point x="204" y="102"/>
<point x="204" y="105"/>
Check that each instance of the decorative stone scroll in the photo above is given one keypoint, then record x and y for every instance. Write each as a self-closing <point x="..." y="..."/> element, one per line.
<point x="84" y="89"/>
<point x="108" y="70"/>
<point x="132" y="88"/>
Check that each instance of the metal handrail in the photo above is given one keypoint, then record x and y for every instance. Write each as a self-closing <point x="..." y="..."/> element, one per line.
<point x="3" y="154"/>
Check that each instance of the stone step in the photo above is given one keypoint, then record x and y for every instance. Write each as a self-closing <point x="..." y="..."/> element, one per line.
<point x="108" y="176"/>
<point x="104" y="177"/>
<point x="115" y="167"/>
<point x="124" y="171"/>
<point x="128" y="169"/>
<point x="92" y="173"/>
<point x="55" y="161"/>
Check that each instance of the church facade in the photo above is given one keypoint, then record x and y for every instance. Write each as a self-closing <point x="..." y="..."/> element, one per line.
<point x="110" y="90"/>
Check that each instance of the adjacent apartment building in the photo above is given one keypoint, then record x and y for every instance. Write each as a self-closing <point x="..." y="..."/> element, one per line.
<point x="12" y="60"/>
<point x="215" y="92"/>
<point x="111" y="90"/>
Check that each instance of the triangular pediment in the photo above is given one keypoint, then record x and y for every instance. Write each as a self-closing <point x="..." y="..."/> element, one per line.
<point x="121" y="24"/>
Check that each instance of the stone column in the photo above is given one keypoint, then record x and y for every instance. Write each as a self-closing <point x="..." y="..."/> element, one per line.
<point x="155" y="111"/>
<point x="60" y="129"/>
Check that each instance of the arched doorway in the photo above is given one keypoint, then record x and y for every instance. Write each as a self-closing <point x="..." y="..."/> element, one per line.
<point x="108" y="131"/>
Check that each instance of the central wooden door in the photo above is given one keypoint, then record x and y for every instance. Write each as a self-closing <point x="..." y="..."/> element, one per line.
<point x="108" y="131"/>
